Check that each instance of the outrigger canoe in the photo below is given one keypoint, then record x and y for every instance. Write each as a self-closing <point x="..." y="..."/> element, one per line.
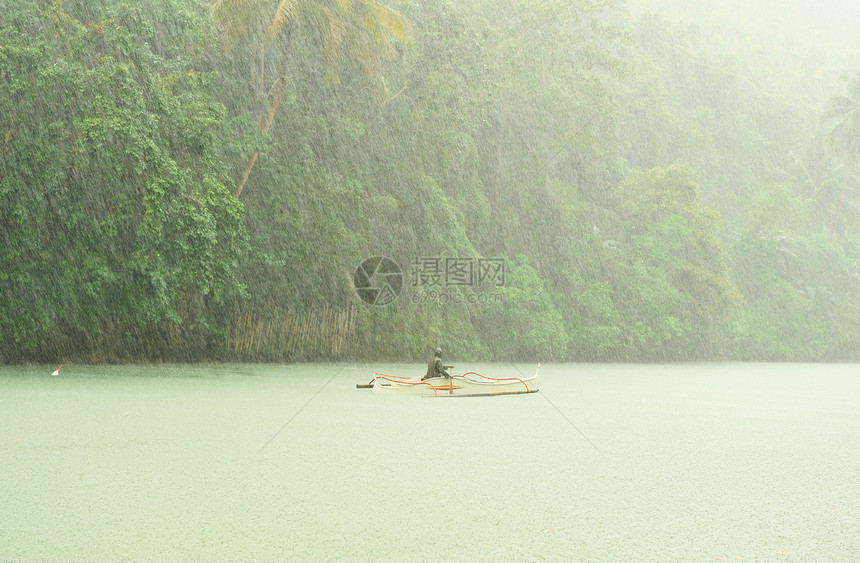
<point x="470" y="384"/>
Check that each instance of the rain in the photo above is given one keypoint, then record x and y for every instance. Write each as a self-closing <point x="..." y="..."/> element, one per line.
<point x="229" y="228"/>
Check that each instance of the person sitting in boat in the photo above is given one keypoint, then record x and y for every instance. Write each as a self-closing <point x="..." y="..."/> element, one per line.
<point x="435" y="367"/>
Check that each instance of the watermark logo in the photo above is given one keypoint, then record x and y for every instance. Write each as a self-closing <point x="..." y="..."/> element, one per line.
<point x="378" y="280"/>
<point x="445" y="297"/>
<point x="457" y="280"/>
<point x="437" y="271"/>
<point x="443" y="280"/>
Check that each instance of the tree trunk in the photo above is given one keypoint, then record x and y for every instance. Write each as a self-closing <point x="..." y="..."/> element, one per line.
<point x="273" y="108"/>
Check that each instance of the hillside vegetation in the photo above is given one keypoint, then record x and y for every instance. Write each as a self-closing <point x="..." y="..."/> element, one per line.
<point x="568" y="181"/>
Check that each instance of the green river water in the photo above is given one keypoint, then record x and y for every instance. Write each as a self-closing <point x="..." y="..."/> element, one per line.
<point x="712" y="462"/>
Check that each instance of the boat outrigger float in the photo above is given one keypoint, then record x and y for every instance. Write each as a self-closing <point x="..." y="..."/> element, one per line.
<point x="470" y="384"/>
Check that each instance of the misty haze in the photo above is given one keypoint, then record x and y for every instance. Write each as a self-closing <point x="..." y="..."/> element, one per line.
<point x="228" y="228"/>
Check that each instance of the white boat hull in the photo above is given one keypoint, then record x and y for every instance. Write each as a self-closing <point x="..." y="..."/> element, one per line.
<point x="467" y="385"/>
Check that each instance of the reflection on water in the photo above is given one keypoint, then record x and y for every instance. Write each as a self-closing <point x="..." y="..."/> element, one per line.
<point x="739" y="462"/>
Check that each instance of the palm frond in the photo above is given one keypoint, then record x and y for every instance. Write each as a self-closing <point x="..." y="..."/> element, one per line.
<point x="383" y="22"/>
<point x="287" y="12"/>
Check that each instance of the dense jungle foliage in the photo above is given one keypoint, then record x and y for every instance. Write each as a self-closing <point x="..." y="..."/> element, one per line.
<point x="183" y="180"/>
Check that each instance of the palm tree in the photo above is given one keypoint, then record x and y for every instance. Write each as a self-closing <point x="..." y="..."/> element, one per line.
<point x="363" y="30"/>
<point x="845" y="136"/>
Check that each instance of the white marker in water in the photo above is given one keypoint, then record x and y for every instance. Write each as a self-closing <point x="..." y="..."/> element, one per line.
<point x="57" y="371"/>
